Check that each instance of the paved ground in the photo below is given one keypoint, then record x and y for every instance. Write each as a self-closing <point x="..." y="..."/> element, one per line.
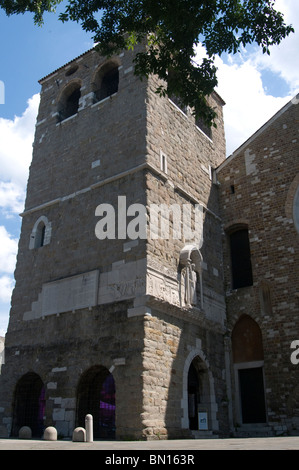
<point x="112" y="447"/>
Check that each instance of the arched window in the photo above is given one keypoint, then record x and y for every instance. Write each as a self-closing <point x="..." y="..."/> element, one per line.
<point x="41" y="233"/>
<point x="106" y="81"/>
<point x="69" y="101"/>
<point x="240" y="258"/>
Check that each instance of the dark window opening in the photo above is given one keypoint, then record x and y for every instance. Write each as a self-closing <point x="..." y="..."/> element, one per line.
<point x="72" y="70"/>
<point x="240" y="259"/>
<point x="204" y="127"/>
<point x="42" y="238"/>
<point x="69" y="104"/>
<point x="178" y="102"/>
<point x="107" y="85"/>
<point x="40" y="235"/>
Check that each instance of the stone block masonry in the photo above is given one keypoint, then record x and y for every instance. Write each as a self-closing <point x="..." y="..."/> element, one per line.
<point x="258" y="185"/>
<point x="147" y="333"/>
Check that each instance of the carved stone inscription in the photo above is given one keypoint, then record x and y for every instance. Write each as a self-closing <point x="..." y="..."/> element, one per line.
<point x="71" y="293"/>
<point x="163" y="287"/>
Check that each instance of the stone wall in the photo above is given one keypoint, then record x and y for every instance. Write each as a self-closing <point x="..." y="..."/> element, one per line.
<point x="81" y="301"/>
<point x="172" y="340"/>
<point x="186" y="180"/>
<point x="257" y="190"/>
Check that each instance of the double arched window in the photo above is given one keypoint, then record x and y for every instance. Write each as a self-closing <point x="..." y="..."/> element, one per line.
<point x="104" y="84"/>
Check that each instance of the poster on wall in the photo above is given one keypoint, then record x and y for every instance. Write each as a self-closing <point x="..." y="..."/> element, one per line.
<point x="202" y="420"/>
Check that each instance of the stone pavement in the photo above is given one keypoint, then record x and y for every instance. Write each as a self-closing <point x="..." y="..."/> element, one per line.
<point x="112" y="447"/>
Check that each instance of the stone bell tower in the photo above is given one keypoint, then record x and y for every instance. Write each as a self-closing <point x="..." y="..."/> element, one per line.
<point x="118" y="309"/>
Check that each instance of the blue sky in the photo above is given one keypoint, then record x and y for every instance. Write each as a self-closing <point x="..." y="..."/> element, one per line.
<point x="253" y="86"/>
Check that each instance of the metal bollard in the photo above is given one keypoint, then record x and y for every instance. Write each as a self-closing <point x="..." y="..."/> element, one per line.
<point x="89" y="428"/>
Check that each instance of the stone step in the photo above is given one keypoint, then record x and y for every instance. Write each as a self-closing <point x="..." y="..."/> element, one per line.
<point x="254" y="430"/>
<point x="204" y="435"/>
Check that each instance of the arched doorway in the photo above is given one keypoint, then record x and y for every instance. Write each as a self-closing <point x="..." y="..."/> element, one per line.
<point x="193" y="397"/>
<point x="29" y="404"/>
<point x="248" y="359"/>
<point x="96" y="396"/>
<point x="199" y="399"/>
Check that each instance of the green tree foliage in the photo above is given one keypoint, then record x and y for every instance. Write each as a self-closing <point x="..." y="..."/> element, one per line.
<point x="171" y="29"/>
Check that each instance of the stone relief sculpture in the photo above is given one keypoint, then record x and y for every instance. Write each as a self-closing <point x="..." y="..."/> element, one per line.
<point x="190" y="260"/>
<point x="188" y="282"/>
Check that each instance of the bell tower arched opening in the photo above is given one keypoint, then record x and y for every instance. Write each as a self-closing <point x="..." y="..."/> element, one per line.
<point x="96" y="396"/>
<point x="29" y="405"/>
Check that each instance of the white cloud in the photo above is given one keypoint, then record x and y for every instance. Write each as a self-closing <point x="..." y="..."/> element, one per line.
<point x="12" y="198"/>
<point x="240" y="81"/>
<point x="16" y="137"/>
<point x="248" y="106"/>
<point x="6" y="286"/>
<point x="284" y="58"/>
<point x="8" y="251"/>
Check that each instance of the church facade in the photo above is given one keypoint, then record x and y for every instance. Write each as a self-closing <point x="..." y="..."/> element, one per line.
<point x="131" y="303"/>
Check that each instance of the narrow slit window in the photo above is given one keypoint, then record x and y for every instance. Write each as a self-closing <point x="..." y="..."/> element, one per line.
<point x="40" y="235"/>
<point x="240" y="259"/>
<point x="163" y="162"/>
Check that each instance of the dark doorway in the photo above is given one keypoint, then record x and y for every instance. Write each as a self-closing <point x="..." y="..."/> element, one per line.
<point x="193" y="397"/>
<point x="96" y="396"/>
<point x="252" y="395"/>
<point x="29" y="405"/>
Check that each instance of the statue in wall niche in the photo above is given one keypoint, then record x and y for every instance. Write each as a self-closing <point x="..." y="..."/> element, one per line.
<point x="191" y="273"/>
<point x="188" y="283"/>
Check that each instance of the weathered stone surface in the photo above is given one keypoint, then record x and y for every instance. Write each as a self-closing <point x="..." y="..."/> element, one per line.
<point x="258" y="184"/>
<point x="86" y="310"/>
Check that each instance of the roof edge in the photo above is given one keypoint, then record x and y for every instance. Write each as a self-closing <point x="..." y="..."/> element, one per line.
<point x="67" y="63"/>
<point x="256" y="134"/>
